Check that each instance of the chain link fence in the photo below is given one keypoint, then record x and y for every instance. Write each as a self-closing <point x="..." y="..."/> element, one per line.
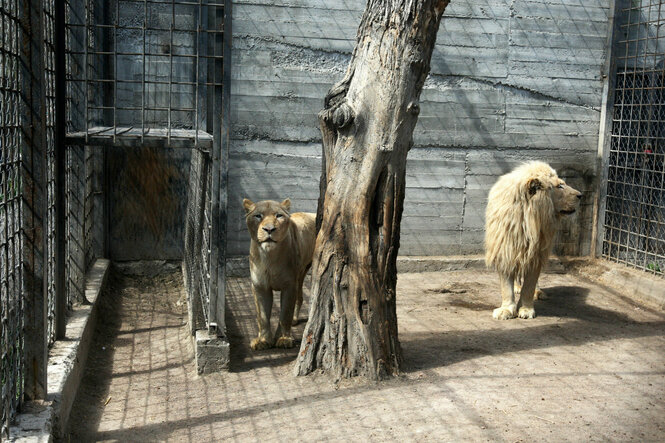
<point x="634" y="218"/>
<point x="49" y="94"/>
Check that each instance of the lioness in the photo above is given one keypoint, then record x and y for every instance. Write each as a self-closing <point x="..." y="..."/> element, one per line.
<point x="279" y="257"/>
<point x="523" y="210"/>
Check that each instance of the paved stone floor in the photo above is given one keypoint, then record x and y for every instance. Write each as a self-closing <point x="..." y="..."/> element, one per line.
<point x="590" y="367"/>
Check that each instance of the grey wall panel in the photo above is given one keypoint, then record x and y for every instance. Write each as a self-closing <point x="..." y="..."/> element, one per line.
<point x="510" y="82"/>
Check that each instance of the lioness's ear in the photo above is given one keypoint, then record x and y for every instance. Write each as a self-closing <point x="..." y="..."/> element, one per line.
<point x="287" y="204"/>
<point x="533" y="185"/>
<point x="248" y="205"/>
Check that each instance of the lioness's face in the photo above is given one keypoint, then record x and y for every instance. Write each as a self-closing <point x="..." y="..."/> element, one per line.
<point x="565" y="199"/>
<point x="267" y="221"/>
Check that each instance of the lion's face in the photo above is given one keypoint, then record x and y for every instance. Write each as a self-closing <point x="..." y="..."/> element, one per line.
<point x="565" y="198"/>
<point x="546" y="182"/>
<point x="267" y="221"/>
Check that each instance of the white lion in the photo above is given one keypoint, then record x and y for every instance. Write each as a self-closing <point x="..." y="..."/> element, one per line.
<point x="522" y="214"/>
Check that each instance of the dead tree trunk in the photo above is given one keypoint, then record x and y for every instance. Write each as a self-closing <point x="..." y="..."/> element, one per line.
<point x="367" y="128"/>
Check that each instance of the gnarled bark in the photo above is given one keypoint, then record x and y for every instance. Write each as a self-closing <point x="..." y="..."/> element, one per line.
<point x="367" y="126"/>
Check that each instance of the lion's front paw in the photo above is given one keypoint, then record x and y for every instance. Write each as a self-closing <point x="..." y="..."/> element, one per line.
<point x="294" y="321"/>
<point x="539" y="294"/>
<point x="260" y="343"/>
<point x="527" y="312"/>
<point x="285" y="342"/>
<point x="504" y="312"/>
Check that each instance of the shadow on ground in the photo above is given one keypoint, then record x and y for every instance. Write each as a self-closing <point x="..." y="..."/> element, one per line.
<point x="591" y="323"/>
<point x="241" y="328"/>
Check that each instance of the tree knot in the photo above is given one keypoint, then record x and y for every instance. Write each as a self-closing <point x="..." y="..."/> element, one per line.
<point x="363" y="309"/>
<point x="343" y="116"/>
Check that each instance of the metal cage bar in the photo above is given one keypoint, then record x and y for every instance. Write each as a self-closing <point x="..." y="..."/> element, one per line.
<point x="164" y="89"/>
<point x="634" y="206"/>
<point x="33" y="120"/>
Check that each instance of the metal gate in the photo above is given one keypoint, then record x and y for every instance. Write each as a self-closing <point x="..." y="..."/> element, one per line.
<point x="151" y="74"/>
<point x="633" y="211"/>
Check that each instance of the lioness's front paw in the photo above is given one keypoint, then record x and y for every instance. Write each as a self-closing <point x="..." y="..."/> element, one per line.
<point x="260" y="343"/>
<point x="527" y="312"/>
<point x="285" y="342"/>
<point x="504" y="312"/>
<point x="294" y="321"/>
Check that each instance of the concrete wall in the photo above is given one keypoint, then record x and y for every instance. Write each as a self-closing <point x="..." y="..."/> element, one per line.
<point x="510" y="81"/>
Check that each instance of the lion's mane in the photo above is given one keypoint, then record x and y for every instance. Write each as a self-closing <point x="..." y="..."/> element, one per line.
<point x="520" y="220"/>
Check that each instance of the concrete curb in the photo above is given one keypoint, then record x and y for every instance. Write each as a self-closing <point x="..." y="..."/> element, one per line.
<point x="44" y="420"/>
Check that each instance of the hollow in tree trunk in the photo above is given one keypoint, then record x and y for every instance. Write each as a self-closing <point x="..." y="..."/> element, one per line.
<point x="367" y="126"/>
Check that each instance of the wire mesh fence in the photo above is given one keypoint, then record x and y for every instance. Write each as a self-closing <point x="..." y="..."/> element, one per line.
<point x="201" y="253"/>
<point x="197" y="240"/>
<point x="635" y="203"/>
<point x="11" y="242"/>
<point x="78" y="78"/>
<point x="30" y="300"/>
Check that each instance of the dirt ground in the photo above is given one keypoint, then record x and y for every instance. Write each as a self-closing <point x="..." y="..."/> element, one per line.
<point x="590" y="367"/>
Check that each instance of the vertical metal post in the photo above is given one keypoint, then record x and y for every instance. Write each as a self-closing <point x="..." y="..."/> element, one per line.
<point x="116" y="23"/>
<point x="168" y="117"/>
<point x="145" y="24"/>
<point x="86" y="74"/>
<point x="34" y="201"/>
<point x="223" y="104"/>
<point x="220" y="148"/>
<point x="60" y="148"/>
<point x="201" y="45"/>
<point x="604" y="137"/>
